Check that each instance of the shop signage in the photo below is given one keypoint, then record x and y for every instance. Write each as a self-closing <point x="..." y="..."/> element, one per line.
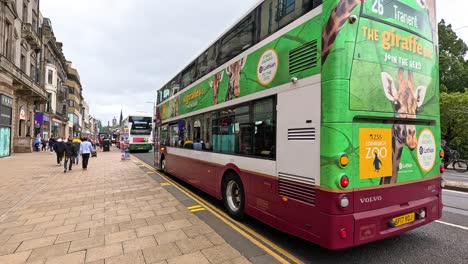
<point x="22" y="114"/>
<point x="5" y="110"/>
<point x="7" y="101"/>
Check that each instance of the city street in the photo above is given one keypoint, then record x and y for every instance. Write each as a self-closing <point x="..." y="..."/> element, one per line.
<point x="113" y="213"/>
<point x="123" y="211"/>
<point x="456" y="176"/>
<point x="445" y="241"/>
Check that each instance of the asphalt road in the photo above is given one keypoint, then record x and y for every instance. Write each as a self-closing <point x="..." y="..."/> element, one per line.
<point x="444" y="241"/>
<point x="455" y="176"/>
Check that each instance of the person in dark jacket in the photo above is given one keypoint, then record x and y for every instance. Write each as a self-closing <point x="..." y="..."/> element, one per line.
<point x="69" y="155"/>
<point x="59" y="150"/>
<point x="52" y="142"/>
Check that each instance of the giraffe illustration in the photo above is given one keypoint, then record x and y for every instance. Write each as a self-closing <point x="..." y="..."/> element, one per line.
<point x="338" y="18"/>
<point x="214" y="84"/>
<point x="234" y="72"/>
<point x="406" y="101"/>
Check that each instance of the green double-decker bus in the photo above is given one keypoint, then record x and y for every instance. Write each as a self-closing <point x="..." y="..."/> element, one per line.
<point x="319" y="118"/>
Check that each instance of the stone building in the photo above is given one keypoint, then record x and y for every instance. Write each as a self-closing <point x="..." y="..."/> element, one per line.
<point x="74" y="102"/>
<point x="53" y="79"/>
<point x="20" y="90"/>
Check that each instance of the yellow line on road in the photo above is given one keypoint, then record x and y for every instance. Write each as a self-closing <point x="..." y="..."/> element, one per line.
<point x="197" y="210"/>
<point x="165" y="183"/>
<point x="239" y="227"/>
<point x="194" y="207"/>
<point x="151" y="172"/>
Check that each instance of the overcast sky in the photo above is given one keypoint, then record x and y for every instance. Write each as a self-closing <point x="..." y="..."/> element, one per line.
<point x="124" y="50"/>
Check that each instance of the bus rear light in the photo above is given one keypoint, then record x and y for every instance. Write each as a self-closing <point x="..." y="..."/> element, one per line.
<point x="344" y="181"/>
<point x="442" y="169"/>
<point x="343" y="233"/>
<point x="442" y="153"/>
<point x="285" y="199"/>
<point x="421" y="214"/>
<point x="344" y="201"/>
<point x="344" y="160"/>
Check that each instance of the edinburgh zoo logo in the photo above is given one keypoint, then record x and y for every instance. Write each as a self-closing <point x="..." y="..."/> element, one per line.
<point x="426" y="150"/>
<point x="267" y="67"/>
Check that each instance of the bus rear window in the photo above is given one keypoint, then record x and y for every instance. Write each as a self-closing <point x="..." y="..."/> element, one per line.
<point x="412" y="15"/>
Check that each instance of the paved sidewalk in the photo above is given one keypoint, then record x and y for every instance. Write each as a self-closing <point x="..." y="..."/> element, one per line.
<point x="111" y="213"/>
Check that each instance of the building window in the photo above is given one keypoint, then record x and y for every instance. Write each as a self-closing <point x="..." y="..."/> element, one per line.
<point x="286" y="7"/>
<point x="49" y="102"/>
<point x="25" y="13"/>
<point x="34" y="21"/>
<point x="8" y="42"/>
<point x="270" y="18"/>
<point x="71" y="103"/>
<point x="23" y="62"/>
<point x="50" y="76"/>
<point x="32" y="71"/>
<point x="71" y="90"/>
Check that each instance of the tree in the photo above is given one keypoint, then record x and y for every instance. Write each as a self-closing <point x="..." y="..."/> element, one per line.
<point x="453" y="68"/>
<point x="454" y="120"/>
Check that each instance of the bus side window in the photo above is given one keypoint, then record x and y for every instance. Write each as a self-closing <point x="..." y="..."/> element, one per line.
<point x="265" y="129"/>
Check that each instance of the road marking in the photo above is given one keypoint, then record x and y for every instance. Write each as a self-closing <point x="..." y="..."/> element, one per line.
<point x="165" y="183"/>
<point x="150" y="172"/>
<point x="197" y="210"/>
<point x="464" y="193"/>
<point x="454" y="225"/>
<point x="237" y="226"/>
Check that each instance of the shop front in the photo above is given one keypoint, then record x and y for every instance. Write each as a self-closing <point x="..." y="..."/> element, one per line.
<point x="41" y="125"/>
<point x="6" y="105"/>
<point x="22" y="141"/>
<point x="56" y="129"/>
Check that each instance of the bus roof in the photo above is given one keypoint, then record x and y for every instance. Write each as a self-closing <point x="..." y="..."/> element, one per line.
<point x="259" y="2"/>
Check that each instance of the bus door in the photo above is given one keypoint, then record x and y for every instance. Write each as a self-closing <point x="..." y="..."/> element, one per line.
<point x="159" y="142"/>
<point x="298" y="152"/>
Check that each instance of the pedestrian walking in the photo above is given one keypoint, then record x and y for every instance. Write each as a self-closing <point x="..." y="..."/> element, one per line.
<point x="59" y="150"/>
<point x="52" y="142"/>
<point x="44" y="144"/>
<point x="76" y="144"/>
<point x="85" y="149"/>
<point x="37" y="143"/>
<point x="69" y="155"/>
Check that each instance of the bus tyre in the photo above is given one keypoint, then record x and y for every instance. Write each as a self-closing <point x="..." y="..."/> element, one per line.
<point x="234" y="197"/>
<point x="163" y="164"/>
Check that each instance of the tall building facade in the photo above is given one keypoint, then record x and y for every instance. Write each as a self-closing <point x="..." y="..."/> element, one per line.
<point x="51" y="117"/>
<point x="40" y="93"/>
<point x="74" y="102"/>
<point x="21" y="92"/>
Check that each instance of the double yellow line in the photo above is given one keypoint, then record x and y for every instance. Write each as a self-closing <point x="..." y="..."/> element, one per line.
<point x="257" y="239"/>
<point x="196" y="208"/>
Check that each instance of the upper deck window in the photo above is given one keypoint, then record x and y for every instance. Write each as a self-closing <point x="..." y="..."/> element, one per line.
<point x="269" y="17"/>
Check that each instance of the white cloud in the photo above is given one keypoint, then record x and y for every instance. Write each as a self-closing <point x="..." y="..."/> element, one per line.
<point x="125" y="50"/>
<point x="454" y="12"/>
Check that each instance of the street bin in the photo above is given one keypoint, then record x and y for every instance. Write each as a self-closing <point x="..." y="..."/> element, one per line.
<point x="106" y="144"/>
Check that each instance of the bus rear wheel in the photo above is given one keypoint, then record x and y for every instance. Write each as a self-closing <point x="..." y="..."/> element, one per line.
<point x="234" y="196"/>
<point x="163" y="164"/>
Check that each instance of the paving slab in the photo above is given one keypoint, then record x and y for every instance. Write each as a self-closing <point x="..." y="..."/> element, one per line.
<point x="113" y="212"/>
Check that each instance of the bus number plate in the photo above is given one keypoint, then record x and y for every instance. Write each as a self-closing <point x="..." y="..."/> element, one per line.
<point x="404" y="219"/>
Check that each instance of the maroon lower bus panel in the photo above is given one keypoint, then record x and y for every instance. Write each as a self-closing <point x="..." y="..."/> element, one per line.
<point x="372" y="214"/>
